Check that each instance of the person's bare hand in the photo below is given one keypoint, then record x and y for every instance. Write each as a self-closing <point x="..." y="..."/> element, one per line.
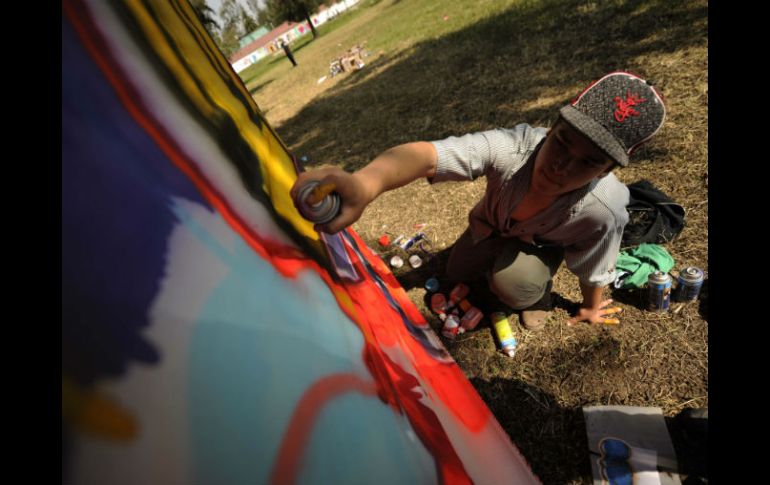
<point x="353" y="194"/>
<point x="596" y="315"/>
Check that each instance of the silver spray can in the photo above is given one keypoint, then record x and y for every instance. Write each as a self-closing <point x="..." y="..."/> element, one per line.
<point x="322" y="212"/>
<point x="659" y="291"/>
<point x="689" y="284"/>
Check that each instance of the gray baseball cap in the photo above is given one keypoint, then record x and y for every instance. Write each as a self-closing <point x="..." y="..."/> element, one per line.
<point x="618" y="113"/>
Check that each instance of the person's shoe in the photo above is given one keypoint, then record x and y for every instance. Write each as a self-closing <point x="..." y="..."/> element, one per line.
<point x="534" y="319"/>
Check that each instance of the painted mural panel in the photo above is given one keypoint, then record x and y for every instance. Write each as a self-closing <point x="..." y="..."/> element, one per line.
<point x="209" y="334"/>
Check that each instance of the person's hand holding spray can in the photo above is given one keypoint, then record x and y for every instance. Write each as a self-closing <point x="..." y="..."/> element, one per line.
<point x="331" y="198"/>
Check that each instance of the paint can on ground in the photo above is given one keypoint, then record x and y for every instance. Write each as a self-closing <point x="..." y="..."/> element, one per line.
<point x="504" y="333"/>
<point x="451" y="326"/>
<point x="471" y="318"/>
<point x="689" y="283"/>
<point x="432" y="285"/>
<point x="659" y="288"/>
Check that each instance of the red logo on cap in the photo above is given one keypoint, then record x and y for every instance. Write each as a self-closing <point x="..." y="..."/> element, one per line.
<point x="624" y="107"/>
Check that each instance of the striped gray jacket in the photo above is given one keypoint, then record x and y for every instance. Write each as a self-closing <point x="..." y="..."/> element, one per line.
<point x="588" y="222"/>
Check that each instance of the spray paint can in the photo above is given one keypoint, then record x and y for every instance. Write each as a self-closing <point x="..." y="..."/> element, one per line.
<point x="659" y="291"/>
<point x="458" y="293"/>
<point x="410" y="242"/>
<point x="322" y="212"/>
<point x="438" y="305"/>
<point x="432" y="285"/>
<point x="689" y="283"/>
<point x="504" y="333"/>
<point x="415" y="261"/>
<point x="465" y="305"/>
<point x="451" y="326"/>
<point x="471" y="318"/>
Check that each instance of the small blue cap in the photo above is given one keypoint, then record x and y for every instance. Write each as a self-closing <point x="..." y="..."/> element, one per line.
<point x="432" y="285"/>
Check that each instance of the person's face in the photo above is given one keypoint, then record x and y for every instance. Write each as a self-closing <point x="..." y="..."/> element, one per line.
<point x="567" y="160"/>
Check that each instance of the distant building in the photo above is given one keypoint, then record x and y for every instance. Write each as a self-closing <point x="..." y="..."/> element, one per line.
<point x="262" y="43"/>
<point x="252" y="37"/>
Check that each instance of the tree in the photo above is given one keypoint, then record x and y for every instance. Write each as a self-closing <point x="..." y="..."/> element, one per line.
<point x="229" y="12"/>
<point x="293" y="11"/>
<point x="259" y="13"/>
<point x="229" y="42"/>
<point x="206" y="15"/>
<point x="254" y="7"/>
<point x="248" y="24"/>
<point x="264" y="19"/>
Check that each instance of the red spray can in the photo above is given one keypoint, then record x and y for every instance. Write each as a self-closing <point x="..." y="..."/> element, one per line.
<point x="458" y="293"/>
<point x="471" y="318"/>
<point x="438" y="305"/>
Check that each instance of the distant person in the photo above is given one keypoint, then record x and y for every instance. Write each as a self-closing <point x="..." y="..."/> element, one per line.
<point x="287" y="50"/>
<point x="550" y="196"/>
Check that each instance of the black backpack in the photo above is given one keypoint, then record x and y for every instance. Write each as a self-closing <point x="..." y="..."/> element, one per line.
<point x="653" y="216"/>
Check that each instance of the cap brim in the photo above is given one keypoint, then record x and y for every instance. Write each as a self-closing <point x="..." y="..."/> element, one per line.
<point x="595" y="132"/>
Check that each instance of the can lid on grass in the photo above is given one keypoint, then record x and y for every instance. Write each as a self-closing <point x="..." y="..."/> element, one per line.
<point x="432" y="285"/>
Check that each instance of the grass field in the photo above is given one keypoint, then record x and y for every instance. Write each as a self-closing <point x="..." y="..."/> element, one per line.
<point x="439" y="68"/>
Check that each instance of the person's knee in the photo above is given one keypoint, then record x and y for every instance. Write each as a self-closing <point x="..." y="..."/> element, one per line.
<point x="518" y="293"/>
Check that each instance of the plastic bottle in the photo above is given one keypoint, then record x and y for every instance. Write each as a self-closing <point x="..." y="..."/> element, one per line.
<point x="504" y="333"/>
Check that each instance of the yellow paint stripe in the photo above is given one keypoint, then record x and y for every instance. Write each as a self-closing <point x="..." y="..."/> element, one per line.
<point x="276" y="167"/>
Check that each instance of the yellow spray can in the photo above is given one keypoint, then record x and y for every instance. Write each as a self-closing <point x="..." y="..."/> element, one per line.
<point x="504" y="333"/>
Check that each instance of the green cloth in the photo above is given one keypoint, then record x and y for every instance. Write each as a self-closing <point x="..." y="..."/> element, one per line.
<point x="640" y="262"/>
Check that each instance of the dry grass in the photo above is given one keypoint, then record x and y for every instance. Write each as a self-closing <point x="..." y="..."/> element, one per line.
<point x="499" y="64"/>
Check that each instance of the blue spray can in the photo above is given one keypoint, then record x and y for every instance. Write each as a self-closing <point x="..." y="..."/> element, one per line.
<point x="659" y="291"/>
<point x="688" y="284"/>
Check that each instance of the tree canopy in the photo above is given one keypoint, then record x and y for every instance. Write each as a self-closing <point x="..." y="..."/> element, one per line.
<point x="293" y="11"/>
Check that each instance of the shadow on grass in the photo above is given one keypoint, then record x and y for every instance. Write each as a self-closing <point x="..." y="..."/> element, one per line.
<point x="635" y="297"/>
<point x="553" y="437"/>
<point x="256" y="88"/>
<point x="519" y="66"/>
<point x="543" y="431"/>
<point x="703" y="303"/>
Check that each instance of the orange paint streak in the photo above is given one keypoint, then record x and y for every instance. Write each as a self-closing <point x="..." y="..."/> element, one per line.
<point x="288" y="462"/>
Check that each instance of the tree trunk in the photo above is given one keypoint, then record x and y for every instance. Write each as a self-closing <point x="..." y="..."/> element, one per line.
<point x="310" y="22"/>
